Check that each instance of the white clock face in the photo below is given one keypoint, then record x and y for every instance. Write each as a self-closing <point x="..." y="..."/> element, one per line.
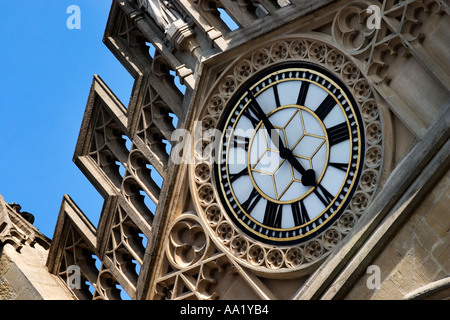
<point x="290" y="154"/>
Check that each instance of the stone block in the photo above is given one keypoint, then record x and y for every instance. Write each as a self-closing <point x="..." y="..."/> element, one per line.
<point x="6" y="291"/>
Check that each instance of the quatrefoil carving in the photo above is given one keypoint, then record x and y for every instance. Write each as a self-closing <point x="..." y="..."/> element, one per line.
<point x="187" y="242"/>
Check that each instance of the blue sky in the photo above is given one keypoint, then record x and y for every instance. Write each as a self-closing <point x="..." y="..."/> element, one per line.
<point x="46" y="71"/>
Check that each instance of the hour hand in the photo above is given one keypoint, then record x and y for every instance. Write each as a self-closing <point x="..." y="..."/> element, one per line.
<point x="308" y="176"/>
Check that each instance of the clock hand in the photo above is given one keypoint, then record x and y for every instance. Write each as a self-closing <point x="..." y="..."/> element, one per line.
<point x="308" y="176"/>
<point x="273" y="133"/>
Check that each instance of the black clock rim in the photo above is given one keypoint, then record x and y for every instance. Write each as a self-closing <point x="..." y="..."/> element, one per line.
<point x="222" y="122"/>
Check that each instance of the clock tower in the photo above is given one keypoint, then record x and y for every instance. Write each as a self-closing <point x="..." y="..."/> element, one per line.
<point x="270" y="150"/>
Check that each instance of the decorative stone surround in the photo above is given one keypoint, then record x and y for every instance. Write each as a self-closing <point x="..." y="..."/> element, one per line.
<point x="260" y="257"/>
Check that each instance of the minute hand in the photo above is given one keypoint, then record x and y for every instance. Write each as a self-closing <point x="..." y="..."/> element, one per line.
<point x="308" y="176"/>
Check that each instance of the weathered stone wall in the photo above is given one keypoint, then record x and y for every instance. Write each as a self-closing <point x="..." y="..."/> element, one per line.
<point x="23" y="276"/>
<point x="418" y="254"/>
<point x="23" y="254"/>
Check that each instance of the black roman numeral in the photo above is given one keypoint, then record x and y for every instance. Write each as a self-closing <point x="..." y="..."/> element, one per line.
<point x="252" y="201"/>
<point x="241" y="142"/>
<point x="303" y="93"/>
<point x="253" y="111"/>
<point x="277" y="97"/>
<point x="234" y="176"/>
<point x="300" y="214"/>
<point x="324" y="195"/>
<point x="338" y="133"/>
<point x="325" y="107"/>
<point x="340" y="166"/>
<point x="251" y="115"/>
<point x="273" y="215"/>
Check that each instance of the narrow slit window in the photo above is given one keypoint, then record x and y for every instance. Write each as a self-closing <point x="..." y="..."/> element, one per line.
<point x="122" y="169"/>
<point x="128" y="142"/>
<point x="156" y="177"/>
<point x="123" y="294"/>
<point x="231" y="24"/>
<point x="148" y="202"/>
<point x="177" y="82"/>
<point x="137" y="266"/>
<point x="168" y="146"/>
<point x="151" y="49"/>
<point x="174" y="119"/>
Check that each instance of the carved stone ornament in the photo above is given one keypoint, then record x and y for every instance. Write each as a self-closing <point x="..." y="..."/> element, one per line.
<point x="377" y="35"/>
<point x="266" y="259"/>
<point x="195" y="265"/>
<point x="171" y="22"/>
<point x="161" y="12"/>
<point x="16" y="227"/>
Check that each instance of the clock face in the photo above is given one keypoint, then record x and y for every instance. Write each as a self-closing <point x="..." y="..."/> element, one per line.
<point x="290" y="154"/>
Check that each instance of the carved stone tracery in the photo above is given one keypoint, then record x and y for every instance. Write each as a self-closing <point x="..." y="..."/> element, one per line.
<point x="16" y="227"/>
<point x="193" y="266"/>
<point x="169" y="19"/>
<point x="400" y="24"/>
